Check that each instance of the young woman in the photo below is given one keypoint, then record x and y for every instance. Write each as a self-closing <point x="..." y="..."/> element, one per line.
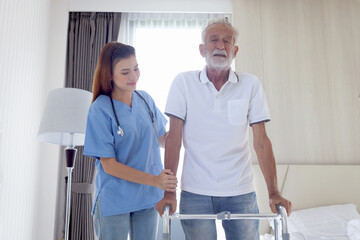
<point x="124" y="131"/>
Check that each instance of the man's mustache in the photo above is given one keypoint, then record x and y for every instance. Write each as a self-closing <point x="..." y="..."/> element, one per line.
<point x="219" y="52"/>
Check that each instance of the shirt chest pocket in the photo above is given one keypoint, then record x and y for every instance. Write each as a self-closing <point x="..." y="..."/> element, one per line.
<point x="238" y="112"/>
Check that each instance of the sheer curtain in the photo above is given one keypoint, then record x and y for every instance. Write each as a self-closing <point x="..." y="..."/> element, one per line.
<point x="166" y="44"/>
<point x="132" y="21"/>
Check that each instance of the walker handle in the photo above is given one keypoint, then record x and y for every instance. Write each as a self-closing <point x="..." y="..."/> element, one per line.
<point x="282" y="211"/>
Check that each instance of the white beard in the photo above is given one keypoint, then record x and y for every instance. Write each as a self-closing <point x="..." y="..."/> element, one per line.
<point x="217" y="62"/>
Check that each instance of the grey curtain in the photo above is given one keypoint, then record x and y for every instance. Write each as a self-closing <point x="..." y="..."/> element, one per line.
<point x="87" y="34"/>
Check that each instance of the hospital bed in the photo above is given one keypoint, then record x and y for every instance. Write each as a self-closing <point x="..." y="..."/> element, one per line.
<point x="325" y="198"/>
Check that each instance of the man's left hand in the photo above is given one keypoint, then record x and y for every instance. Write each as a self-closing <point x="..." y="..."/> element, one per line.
<point x="276" y="199"/>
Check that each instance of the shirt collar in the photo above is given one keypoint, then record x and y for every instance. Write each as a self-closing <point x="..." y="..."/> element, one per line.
<point x="204" y="79"/>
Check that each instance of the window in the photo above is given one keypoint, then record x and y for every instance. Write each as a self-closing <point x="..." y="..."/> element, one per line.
<point x="166" y="44"/>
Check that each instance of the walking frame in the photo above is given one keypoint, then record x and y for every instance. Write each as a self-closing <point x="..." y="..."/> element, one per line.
<point x="280" y="217"/>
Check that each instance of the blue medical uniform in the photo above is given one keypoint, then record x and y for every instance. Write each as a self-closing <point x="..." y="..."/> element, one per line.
<point x="138" y="148"/>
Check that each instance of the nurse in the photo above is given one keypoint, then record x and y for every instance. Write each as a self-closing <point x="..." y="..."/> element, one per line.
<point x="124" y="131"/>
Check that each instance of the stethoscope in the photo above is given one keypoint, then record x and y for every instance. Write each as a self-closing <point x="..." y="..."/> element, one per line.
<point x="120" y="131"/>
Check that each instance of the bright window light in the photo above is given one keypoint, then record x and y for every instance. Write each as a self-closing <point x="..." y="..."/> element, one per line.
<point x="162" y="54"/>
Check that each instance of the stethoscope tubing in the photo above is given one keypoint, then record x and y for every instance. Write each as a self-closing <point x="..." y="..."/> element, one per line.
<point x="120" y="131"/>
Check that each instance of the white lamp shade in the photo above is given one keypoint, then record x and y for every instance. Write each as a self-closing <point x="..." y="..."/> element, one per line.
<point x="64" y="118"/>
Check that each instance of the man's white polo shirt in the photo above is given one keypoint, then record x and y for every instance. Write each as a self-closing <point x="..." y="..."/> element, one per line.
<point x="215" y="135"/>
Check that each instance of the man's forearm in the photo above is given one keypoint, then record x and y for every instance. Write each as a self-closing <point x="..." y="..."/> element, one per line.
<point x="264" y="152"/>
<point x="265" y="155"/>
<point x="173" y="144"/>
<point x="268" y="166"/>
<point x="172" y="152"/>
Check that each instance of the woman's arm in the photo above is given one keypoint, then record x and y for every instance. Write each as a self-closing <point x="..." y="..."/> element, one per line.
<point x="166" y="180"/>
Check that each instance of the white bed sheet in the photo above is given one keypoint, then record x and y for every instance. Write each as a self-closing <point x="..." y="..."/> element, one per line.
<point x="299" y="236"/>
<point x="334" y="222"/>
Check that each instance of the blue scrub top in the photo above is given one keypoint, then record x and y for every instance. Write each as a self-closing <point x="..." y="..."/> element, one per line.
<point x="138" y="148"/>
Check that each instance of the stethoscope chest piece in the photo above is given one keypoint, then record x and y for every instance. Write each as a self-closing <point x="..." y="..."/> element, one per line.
<point x="120" y="131"/>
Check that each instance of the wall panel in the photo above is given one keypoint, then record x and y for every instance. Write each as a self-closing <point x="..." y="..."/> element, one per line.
<point x="24" y="31"/>
<point x="310" y="58"/>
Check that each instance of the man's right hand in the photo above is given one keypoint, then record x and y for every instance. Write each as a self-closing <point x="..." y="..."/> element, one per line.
<point x="169" y="199"/>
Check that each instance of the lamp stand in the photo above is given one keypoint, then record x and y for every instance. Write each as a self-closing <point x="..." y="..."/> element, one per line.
<point x="70" y="152"/>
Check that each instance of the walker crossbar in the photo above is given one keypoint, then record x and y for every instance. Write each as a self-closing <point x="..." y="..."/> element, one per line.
<point x="281" y="216"/>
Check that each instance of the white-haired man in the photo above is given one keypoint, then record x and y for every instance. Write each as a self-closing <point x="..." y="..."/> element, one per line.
<point x="211" y="111"/>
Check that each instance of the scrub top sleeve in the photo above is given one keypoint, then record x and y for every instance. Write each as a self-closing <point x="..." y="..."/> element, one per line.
<point x="176" y="100"/>
<point x="99" y="139"/>
<point x="258" y="108"/>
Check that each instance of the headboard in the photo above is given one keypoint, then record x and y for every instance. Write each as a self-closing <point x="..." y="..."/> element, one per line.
<point x="308" y="186"/>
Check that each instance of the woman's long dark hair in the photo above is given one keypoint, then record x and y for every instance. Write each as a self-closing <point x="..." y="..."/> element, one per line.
<point x="111" y="53"/>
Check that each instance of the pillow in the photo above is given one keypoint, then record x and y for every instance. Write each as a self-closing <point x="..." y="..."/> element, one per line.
<point x="322" y="222"/>
<point x="353" y="229"/>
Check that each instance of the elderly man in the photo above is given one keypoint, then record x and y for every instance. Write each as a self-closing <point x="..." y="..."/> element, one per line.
<point x="212" y="110"/>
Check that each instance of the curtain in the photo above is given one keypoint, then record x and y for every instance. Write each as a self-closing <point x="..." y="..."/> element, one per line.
<point x="131" y="21"/>
<point x="87" y="34"/>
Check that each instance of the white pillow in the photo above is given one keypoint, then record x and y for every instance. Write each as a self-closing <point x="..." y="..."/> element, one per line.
<point x="322" y="221"/>
<point x="353" y="229"/>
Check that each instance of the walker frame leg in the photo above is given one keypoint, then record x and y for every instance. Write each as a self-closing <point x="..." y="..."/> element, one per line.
<point x="166" y="224"/>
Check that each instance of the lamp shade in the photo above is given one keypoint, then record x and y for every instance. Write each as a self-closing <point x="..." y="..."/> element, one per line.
<point x="64" y="118"/>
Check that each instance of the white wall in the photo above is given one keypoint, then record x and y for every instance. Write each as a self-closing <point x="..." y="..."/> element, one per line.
<point x="307" y="55"/>
<point x="31" y="63"/>
<point x="151" y="6"/>
<point x="51" y="168"/>
<point x="24" y="32"/>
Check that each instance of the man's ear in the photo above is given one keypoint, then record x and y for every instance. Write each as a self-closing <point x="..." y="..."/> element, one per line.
<point x="236" y="49"/>
<point x="202" y="50"/>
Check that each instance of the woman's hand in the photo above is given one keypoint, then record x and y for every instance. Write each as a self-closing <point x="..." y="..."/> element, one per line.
<point x="166" y="181"/>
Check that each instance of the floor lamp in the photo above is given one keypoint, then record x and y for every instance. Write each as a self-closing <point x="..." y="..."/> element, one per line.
<point x="64" y="123"/>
